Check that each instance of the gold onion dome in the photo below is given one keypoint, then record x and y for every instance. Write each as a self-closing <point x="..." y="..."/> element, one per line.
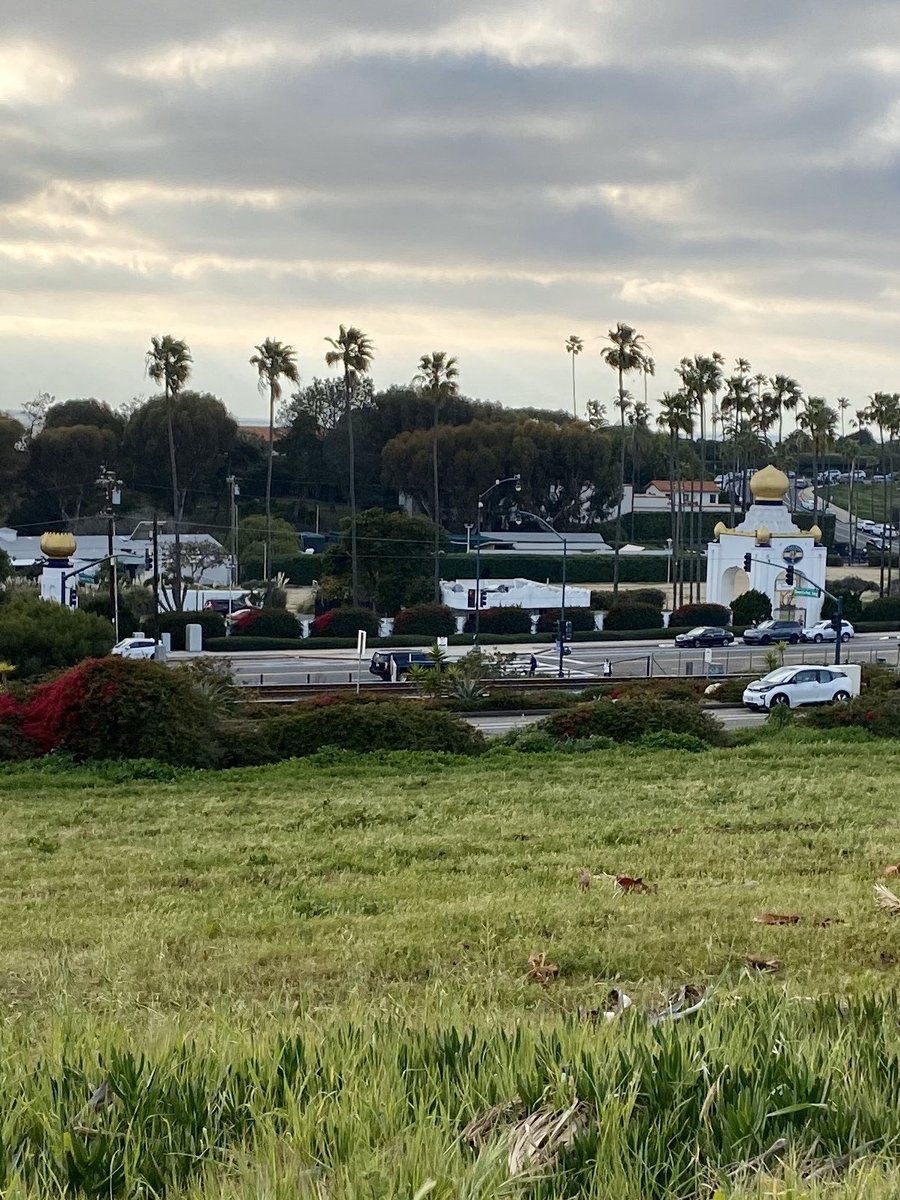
<point x="769" y="484"/>
<point x="720" y="528"/>
<point x="58" y="545"/>
<point x="763" y="536"/>
<point x="816" y="534"/>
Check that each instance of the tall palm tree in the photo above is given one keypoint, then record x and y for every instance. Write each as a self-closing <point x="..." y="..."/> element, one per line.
<point x="819" y="423"/>
<point x="574" y="346"/>
<point x="437" y="378"/>
<point x="626" y="353"/>
<point x="676" y="418"/>
<point x="843" y="404"/>
<point x="274" y="361"/>
<point x="353" y="351"/>
<point x="169" y="362"/>
<point x="737" y="410"/>
<point x="701" y="376"/>
<point x="785" y="395"/>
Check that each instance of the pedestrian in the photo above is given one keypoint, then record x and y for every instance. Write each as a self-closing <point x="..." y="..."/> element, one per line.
<point x="532" y="665"/>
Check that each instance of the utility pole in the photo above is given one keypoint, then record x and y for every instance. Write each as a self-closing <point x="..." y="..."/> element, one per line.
<point x="156" y="576"/>
<point x="234" y="492"/>
<point x="112" y="490"/>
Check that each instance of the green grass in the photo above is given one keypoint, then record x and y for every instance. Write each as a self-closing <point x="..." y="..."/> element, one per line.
<point x="323" y="965"/>
<point x="868" y="500"/>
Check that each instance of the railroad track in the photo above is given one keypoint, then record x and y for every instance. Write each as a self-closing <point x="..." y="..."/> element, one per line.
<point x="289" y="693"/>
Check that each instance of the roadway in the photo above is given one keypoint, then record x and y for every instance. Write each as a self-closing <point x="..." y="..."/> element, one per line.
<point x="626" y="660"/>
<point x="496" y="725"/>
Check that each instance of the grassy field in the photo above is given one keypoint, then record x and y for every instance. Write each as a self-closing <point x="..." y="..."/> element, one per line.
<point x="868" y="500"/>
<point x="305" y="980"/>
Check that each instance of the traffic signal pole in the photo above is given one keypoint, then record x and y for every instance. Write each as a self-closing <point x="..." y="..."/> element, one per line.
<point x="837" y="619"/>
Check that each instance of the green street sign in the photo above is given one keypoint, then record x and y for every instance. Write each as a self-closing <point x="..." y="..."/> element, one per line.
<point x="805" y="592"/>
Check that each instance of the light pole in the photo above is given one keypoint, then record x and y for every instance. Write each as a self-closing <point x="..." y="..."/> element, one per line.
<point x="562" y="600"/>
<point x="233" y="570"/>
<point x="112" y="488"/>
<point x="517" y="480"/>
<point x="669" y="570"/>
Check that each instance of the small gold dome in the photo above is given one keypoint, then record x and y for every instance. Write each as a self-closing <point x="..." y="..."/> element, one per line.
<point x="763" y="536"/>
<point x="769" y="484"/>
<point x="816" y="534"/>
<point x="720" y="528"/>
<point x="58" y="545"/>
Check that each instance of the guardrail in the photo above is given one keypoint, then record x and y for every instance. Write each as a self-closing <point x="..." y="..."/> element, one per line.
<point x="287" y="693"/>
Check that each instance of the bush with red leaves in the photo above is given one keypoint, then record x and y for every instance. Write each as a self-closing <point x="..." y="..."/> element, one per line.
<point x="112" y="708"/>
<point x="345" y="622"/>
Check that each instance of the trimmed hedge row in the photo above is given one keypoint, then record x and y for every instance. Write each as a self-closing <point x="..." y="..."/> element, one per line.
<point x="629" y="719"/>
<point x="580" y="568"/>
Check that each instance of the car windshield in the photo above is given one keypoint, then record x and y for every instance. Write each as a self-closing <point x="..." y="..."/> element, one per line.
<point x="782" y="675"/>
<point x="766" y="625"/>
<point x="699" y="629"/>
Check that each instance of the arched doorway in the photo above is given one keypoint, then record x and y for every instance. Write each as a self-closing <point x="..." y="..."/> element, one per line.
<point x="735" y="582"/>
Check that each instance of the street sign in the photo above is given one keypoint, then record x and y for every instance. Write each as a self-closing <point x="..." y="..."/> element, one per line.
<point x="360" y="642"/>
<point x="442" y="643"/>
<point x="805" y="592"/>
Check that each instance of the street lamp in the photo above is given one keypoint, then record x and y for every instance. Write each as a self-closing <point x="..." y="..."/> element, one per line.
<point x="562" y="600"/>
<point x="517" y="480"/>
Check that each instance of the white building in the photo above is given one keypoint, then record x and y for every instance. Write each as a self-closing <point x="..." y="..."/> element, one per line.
<point x="774" y="542"/>
<point x="658" y="497"/>
<point x="459" y="594"/>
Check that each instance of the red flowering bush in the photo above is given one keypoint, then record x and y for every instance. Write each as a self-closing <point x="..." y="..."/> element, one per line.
<point x="266" y="622"/>
<point x="877" y="712"/>
<point x="111" y="708"/>
<point x="430" y="620"/>
<point x="344" y="622"/>
<point x="501" y="620"/>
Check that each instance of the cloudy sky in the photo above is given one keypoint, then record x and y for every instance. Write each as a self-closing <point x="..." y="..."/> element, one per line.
<point x="476" y="176"/>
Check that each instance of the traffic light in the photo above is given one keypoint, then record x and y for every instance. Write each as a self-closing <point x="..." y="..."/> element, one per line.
<point x="789" y="576"/>
<point x="748" y="562"/>
<point x="837" y="624"/>
<point x="568" y="631"/>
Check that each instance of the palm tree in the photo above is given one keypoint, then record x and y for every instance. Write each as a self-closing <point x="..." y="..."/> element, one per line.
<point x="169" y="362"/>
<point x="700" y="376"/>
<point x="737" y="407"/>
<point x="843" y="404"/>
<point x="627" y="352"/>
<point x="274" y="361"/>
<point x="437" y="378"/>
<point x="353" y="351"/>
<point x="785" y="395"/>
<point x="819" y="423"/>
<point x="574" y="346"/>
<point x="675" y="417"/>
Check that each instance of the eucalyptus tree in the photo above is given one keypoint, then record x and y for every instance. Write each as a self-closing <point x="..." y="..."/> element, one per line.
<point x="437" y="380"/>
<point x="626" y="353"/>
<point x="574" y="346"/>
<point x="169" y="362"/>
<point x="274" y="361"/>
<point x="353" y="352"/>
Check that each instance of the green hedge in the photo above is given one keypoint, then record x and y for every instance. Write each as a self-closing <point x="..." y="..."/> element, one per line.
<point x="301" y="569"/>
<point x="581" y="619"/>
<point x="580" y="568"/>
<point x="655" y="527"/>
<point x="627" y="720"/>
<point x="701" y="614"/>
<point x="386" y="725"/>
<point x="633" y="616"/>
<point x="175" y="623"/>
<point x="512" y="620"/>
<point x="270" y="623"/>
<point x="431" y="620"/>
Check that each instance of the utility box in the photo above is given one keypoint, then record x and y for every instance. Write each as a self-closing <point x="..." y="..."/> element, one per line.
<point x="193" y="638"/>
<point x="853" y="671"/>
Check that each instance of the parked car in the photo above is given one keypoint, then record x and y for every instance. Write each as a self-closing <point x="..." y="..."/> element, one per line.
<point x="134" y="647"/>
<point x="823" y="631"/>
<point x="796" y="686"/>
<point x="381" y="662"/>
<point x="705" y="635"/>
<point x="867" y="526"/>
<point x="767" y="632"/>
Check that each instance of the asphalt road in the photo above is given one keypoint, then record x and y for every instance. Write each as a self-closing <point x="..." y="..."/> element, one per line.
<point x="627" y="660"/>
<point x="495" y="726"/>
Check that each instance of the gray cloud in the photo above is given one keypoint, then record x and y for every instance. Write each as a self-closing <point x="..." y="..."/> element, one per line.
<point x="487" y="178"/>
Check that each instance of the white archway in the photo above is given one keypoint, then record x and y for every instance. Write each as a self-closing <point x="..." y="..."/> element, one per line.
<point x="735" y="582"/>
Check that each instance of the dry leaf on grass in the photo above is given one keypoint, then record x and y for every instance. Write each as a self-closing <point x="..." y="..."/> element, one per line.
<point x="540" y="969"/>
<point x="888" y="871"/>
<point x="768" y="918"/>
<point x="584" y="880"/>
<point x="886" y="899"/>
<point x="625" y="883"/>
<point x="538" y="1138"/>
<point x="480" y="1128"/>
<point x="762" y="962"/>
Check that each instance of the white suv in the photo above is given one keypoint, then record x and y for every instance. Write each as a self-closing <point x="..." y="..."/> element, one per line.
<point x="796" y="686"/>
<point x="823" y="631"/>
<point x="134" y="648"/>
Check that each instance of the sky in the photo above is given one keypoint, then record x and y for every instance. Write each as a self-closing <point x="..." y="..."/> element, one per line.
<point x="479" y="177"/>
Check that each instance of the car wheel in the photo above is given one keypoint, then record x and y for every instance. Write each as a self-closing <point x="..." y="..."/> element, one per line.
<point x="779" y="701"/>
<point x="694" y="643"/>
<point x="792" y="641"/>
<point x="845" y="637"/>
<point x="818" y="639"/>
<point x="765" y="641"/>
<point x="841" y="697"/>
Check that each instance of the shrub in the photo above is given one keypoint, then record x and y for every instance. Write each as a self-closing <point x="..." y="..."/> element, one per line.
<point x="380" y="725"/>
<point x="633" y="616"/>
<point x="269" y="623"/>
<point x="751" y="606"/>
<point x="629" y="719"/>
<point x="98" y="603"/>
<point x="582" y="620"/>
<point x="345" y="622"/>
<point x="879" y="677"/>
<point x="878" y="713"/>
<point x="38" y="636"/>
<point x="654" y="596"/>
<point x="602" y="600"/>
<point x="112" y="708"/>
<point x="431" y="620"/>
<point x="701" y="614"/>
<point x="885" y="609"/>
<point x="666" y="740"/>
<point x="501" y="620"/>
<point x="852" y="608"/>
<point x="212" y="625"/>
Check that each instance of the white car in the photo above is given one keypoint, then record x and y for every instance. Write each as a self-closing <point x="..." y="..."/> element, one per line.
<point x="134" y="647"/>
<point x="822" y="631"/>
<point x="867" y="526"/>
<point x="796" y="686"/>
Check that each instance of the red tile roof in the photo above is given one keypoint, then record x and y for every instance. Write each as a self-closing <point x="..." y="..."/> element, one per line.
<point x="684" y="485"/>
